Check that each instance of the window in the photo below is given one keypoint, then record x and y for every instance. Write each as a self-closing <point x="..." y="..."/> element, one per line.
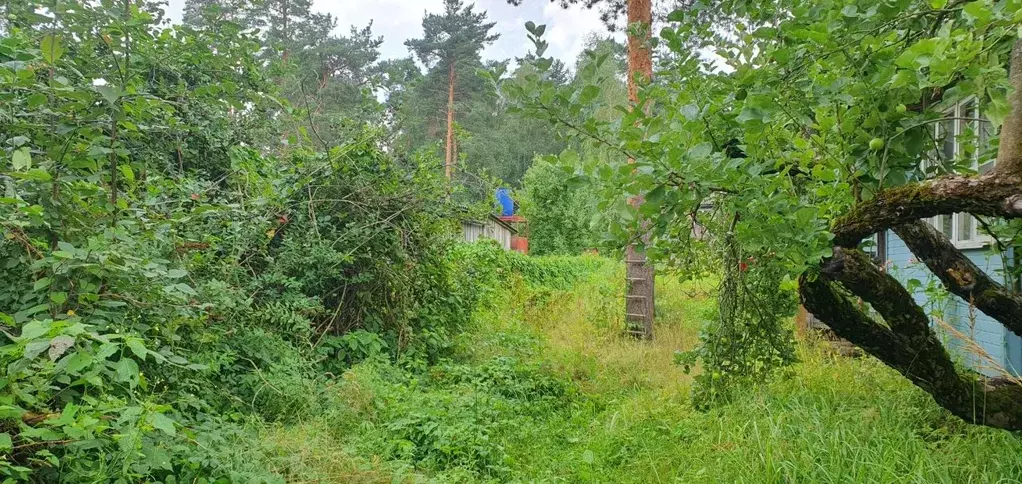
<point x="962" y="141"/>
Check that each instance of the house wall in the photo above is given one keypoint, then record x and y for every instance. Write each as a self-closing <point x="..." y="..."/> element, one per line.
<point x="1002" y="347"/>
<point x="472" y="231"/>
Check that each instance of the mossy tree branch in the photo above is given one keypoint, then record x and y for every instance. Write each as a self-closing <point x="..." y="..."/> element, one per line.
<point x="908" y="344"/>
<point x="996" y="194"/>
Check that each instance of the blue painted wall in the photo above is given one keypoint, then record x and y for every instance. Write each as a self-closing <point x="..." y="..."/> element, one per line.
<point x="1003" y="347"/>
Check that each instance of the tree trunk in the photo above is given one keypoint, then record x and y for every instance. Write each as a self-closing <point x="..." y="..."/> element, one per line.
<point x="449" y="158"/>
<point x="640" y="303"/>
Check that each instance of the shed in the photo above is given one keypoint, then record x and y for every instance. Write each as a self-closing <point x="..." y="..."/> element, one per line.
<point x="491" y="228"/>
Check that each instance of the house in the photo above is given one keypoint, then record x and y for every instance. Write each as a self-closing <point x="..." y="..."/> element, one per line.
<point x="491" y="228"/>
<point x="979" y="340"/>
<point x="504" y="228"/>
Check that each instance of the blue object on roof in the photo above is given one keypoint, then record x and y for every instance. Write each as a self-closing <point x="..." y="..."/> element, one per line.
<point x="507" y="205"/>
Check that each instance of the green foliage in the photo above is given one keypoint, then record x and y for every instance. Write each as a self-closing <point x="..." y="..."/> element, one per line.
<point x="747" y="336"/>
<point x="487" y="266"/>
<point x="550" y="391"/>
<point x="163" y="283"/>
<point x="560" y="209"/>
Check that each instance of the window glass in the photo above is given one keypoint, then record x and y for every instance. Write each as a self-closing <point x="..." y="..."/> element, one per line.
<point x="966" y="226"/>
<point x="986" y="157"/>
<point x="946" y="135"/>
<point x="946" y="226"/>
<point x="967" y="137"/>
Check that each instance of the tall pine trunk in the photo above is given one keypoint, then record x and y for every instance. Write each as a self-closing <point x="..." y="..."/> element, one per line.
<point x="449" y="158"/>
<point x="639" y="299"/>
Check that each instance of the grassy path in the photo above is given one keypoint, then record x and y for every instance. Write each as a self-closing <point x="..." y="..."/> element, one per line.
<point x="547" y="390"/>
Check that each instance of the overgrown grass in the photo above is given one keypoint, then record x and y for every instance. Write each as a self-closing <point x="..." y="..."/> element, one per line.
<point x="547" y="388"/>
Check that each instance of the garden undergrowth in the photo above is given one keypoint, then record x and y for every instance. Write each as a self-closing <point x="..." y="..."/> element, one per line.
<point x="544" y="386"/>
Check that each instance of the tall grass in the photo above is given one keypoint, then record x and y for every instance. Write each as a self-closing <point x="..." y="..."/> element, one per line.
<point x="547" y="388"/>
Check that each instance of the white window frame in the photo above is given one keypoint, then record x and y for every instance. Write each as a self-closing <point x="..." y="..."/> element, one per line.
<point x="976" y="239"/>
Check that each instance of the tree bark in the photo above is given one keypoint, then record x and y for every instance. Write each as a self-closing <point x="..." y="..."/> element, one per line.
<point x="449" y="158"/>
<point x="996" y="194"/>
<point x="1009" y="148"/>
<point x="640" y="305"/>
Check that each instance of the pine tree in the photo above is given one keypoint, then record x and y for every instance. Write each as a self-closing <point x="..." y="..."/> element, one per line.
<point x="451" y="43"/>
<point x="290" y="26"/>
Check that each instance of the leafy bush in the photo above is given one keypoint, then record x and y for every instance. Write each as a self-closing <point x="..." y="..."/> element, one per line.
<point x="559" y="207"/>
<point x="151" y="287"/>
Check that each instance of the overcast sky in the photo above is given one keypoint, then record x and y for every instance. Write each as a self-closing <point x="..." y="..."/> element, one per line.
<point x="399" y="20"/>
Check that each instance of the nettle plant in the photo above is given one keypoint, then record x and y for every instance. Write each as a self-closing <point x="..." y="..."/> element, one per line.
<point x="813" y="125"/>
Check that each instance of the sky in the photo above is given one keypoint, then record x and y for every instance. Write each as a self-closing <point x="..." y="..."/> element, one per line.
<point x="400" y="20"/>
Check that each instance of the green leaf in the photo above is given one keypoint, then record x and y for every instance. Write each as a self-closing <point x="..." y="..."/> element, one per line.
<point x="138" y="348"/>
<point x="176" y="273"/>
<point x="11" y="412"/>
<point x="589" y="94"/>
<point x="5" y="442"/>
<point x="690" y="111"/>
<point x="106" y="350"/>
<point x="656" y="196"/>
<point x="35" y="174"/>
<point x="162" y="422"/>
<point x="58" y="297"/>
<point x="750" y="113"/>
<point x="21" y="159"/>
<point x="110" y="93"/>
<point x="980" y="11"/>
<point x="42" y="283"/>
<point x="700" y="151"/>
<point x="127" y="371"/>
<point x="78" y="362"/>
<point x="34" y="329"/>
<point x="127" y="173"/>
<point x="36" y="100"/>
<point x="51" y="49"/>
<point x="36" y="348"/>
